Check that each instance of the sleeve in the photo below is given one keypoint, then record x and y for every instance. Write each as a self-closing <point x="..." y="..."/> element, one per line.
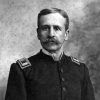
<point x="16" y="84"/>
<point x="87" y="88"/>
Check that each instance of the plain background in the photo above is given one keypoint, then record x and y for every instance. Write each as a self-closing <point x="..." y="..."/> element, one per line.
<point x="18" y="23"/>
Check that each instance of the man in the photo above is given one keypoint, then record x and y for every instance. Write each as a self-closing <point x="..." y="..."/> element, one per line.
<point x="50" y="74"/>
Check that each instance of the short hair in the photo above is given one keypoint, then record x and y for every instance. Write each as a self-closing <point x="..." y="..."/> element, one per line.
<point x="54" y="10"/>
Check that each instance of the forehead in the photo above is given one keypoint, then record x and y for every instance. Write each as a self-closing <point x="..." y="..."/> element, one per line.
<point x="52" y="19"/>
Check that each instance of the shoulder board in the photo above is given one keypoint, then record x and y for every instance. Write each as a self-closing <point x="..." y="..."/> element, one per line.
<point x="24" y="62"/>
<point x="75" y="60"/>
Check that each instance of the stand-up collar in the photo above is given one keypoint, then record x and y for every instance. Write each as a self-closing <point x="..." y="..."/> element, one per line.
<point x="53" y="55"/>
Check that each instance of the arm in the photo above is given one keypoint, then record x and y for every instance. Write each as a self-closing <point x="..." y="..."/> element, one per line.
<point x="16" y="84"/>
<point x="87" y="88"/>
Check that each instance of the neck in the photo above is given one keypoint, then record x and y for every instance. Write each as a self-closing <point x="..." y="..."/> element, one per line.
<point x="56" y="55"/>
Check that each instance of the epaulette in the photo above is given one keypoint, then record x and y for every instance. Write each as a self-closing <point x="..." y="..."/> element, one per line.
<point x="23" y="63"/>
<point x="75" y="60"/>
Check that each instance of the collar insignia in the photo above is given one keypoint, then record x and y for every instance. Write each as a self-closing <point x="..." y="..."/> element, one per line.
<point x="24" y="62"/>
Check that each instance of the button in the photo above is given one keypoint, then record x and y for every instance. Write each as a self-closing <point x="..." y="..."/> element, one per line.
<point x="64" y="89"/>
<point x="61" y="70"/>
<point x="62" y="79"/>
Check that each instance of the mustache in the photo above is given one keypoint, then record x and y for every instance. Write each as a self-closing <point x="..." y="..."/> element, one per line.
<point x="51" y="40"/>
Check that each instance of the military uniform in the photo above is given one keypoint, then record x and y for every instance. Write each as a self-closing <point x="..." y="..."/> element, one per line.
<point x="41" y="78"/>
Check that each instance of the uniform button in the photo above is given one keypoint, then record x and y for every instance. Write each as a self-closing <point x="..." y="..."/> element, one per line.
<point x="62" y="79"/>
<point x="62" y="70"/>
<point x="64" y="89"/>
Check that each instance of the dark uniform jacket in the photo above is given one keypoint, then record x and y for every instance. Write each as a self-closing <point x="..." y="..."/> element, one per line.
<point x="42" y="78"/>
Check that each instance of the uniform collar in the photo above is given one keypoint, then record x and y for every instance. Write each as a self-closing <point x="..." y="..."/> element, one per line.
<point x="53" y="55"/>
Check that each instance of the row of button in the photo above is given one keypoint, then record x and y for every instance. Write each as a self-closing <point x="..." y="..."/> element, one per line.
<point x="63" y="88"/>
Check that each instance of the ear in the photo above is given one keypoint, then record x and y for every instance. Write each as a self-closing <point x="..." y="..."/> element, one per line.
<point x="66" y="34"/>
<point x="38" y="34"/>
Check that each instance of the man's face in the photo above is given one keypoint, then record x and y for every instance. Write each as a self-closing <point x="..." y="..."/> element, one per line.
<point x="51" y="31"/>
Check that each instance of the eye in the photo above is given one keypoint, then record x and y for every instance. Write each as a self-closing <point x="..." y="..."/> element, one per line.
<point x="44" y="28"/>
<point x="57" y="28"/>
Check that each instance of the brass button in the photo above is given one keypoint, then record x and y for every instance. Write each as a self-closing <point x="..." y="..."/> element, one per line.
<point x="64" y="89"/>
<point x="61" y="70"/>
<point x="63" y="79"/>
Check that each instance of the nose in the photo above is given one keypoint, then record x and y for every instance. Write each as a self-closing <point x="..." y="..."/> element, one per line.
<point x="51" y="32"/>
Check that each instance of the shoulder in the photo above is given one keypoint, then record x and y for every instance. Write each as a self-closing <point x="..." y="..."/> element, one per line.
<point x="17" y="67"/>
<point x="81" y="66"/>
<point x="75" y="60"/>
<point x="27" y="62"/>
<point x="23" y="63"/>
<point x="21" y="67"/>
